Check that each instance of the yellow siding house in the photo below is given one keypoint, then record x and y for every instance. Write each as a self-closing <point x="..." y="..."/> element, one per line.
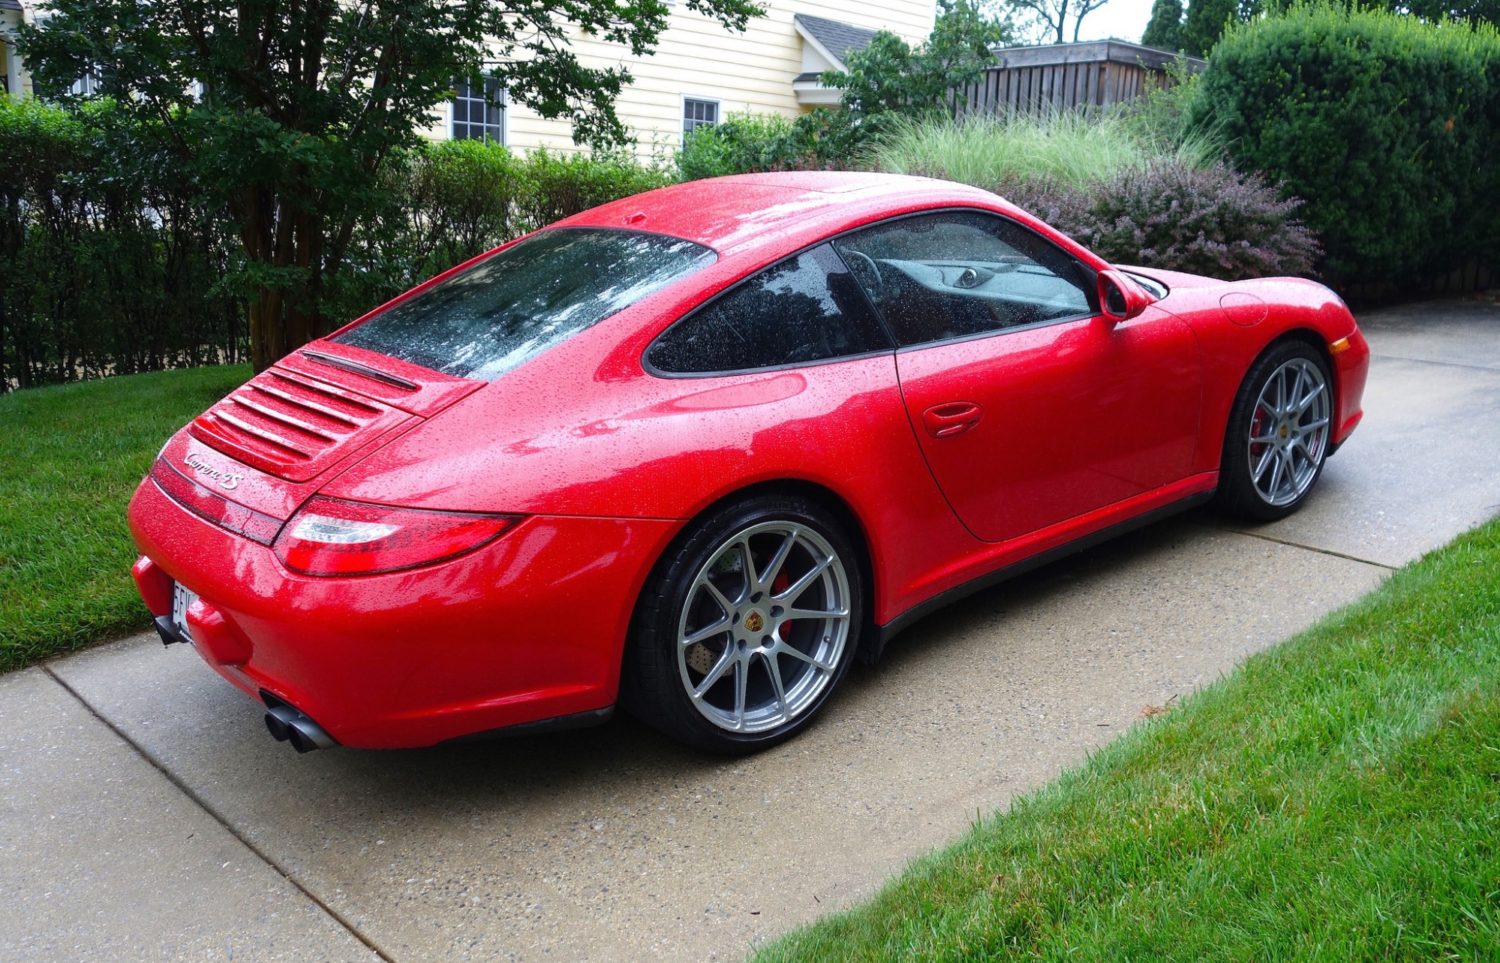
<point x="702" y="73"/>
<point x="699" y="74"/>
<point x="14" y="79"/>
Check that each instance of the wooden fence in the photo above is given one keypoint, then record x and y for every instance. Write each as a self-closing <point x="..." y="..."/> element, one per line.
<point x="1063" y="76"/>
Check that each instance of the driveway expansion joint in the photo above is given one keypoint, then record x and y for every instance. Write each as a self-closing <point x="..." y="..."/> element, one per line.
<point x="1311" y="548"/>
<point x="213" y="814"/>
<point x="1446" y="364"/>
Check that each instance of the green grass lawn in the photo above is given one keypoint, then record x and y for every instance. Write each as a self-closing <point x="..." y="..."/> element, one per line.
<point x="1338" y="797"/>
<point x="70" y="456"/>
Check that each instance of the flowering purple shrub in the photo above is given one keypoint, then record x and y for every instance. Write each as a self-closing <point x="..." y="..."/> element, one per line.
<point x="1210" y="221"/>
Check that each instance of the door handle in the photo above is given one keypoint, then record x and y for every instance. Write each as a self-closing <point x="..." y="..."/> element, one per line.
<point x="952" y="418"/>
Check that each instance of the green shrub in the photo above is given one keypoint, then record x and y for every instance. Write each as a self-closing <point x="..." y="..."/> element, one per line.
<point x="1388" y="126"/>
<point x="461" y="197"/>
<point x="554" y="186"/>
<point x="454" y="200"/>
<point x="1203" y="220"/>
<point x="741" y="144"/>
<point x="108" y="263"/>
<point x="750" y="143"/>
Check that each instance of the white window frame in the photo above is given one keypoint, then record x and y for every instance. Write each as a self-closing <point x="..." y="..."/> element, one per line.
<point x="85" y="86"/>
<point x="503" y="102"/>
<point x="697" y="99"/>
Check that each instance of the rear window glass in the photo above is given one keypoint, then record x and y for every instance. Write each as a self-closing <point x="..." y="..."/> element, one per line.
<point x="511" y="307"/>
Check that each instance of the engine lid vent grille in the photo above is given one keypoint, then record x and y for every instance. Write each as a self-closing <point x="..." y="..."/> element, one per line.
<point x="293" y="425"/>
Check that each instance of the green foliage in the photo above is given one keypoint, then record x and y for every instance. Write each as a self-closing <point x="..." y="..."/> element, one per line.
<point x="451" y="201"/>
<point x="1474" y="12"/>
<point x="70" y="456"/>
<point x="1161" y="115"/>
<point x="1132" y="184"/>
<point x="1206" y="220"/>
<point x="303" y="105"/>
<point x="891" y="76"/>
<point x="106" y="266"/>
<point x="554" y="186"/>
<point x="1207" y="20"/>
<point x="1434" y="11"/>
<point x="1164" y="30"/>
<point x="1389" y="127"/>
<point x="109" y="268"/>
<point x="1337" y="797"/>
<point x="741" y="144"/>
<point x="888" y="79"/>
<point x="1070" y="148"/>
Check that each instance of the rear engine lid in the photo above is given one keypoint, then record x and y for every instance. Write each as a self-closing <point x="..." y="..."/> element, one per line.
<point x="320" y="406"/>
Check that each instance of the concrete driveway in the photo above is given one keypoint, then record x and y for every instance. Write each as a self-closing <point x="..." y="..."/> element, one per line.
<point x="145" y="813"/>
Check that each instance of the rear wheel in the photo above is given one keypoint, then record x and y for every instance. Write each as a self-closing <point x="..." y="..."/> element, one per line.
<point x="1279" y="433"/>
<point x="747" y="627"/>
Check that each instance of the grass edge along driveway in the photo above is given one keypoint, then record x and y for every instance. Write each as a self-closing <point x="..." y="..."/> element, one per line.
<point x="1338" y="796"/>
<point x="70" y="457"/>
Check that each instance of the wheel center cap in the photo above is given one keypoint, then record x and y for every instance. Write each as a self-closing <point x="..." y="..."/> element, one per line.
<point x="1285" y="431"/>
<point x="754" y="622"/>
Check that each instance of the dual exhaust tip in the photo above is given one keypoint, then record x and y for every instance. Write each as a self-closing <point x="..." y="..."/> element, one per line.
<point x="287" y="724"/>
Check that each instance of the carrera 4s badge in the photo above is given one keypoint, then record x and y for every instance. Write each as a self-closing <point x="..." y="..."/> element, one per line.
<point x="226" y="480"/>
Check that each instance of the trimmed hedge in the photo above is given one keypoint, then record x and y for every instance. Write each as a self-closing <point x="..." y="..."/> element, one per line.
<point x="1387" y="125"/>
<point x="108" y="265"/>
<point x="825" y="139"/>
<point x="111" y="264"/>
<point x="453" y="200"/>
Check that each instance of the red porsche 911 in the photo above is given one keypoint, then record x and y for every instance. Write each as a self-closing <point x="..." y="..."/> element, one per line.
<point x="695" y="451"/>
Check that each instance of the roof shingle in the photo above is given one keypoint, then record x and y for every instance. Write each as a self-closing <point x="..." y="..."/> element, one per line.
<point x="837" y="38"/>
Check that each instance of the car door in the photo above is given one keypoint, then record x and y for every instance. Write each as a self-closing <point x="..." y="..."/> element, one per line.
<point x="1029" y="406"/>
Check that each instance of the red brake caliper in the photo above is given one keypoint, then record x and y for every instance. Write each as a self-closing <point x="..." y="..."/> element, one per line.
<point x="780" y="584"/>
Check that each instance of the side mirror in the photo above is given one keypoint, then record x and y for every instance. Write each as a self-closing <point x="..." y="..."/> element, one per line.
<point x="1120" y="298"/>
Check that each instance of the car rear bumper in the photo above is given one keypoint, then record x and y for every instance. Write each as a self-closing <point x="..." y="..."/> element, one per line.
<point x="528" y="628"/>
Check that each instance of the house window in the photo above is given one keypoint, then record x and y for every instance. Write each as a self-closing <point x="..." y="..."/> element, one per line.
<point x="85" y="86"/>
<point x="479" y="112"/>
<point x="698" y="113"/>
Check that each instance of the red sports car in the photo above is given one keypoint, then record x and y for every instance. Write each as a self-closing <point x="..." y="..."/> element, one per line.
<point x="695" y="451"/>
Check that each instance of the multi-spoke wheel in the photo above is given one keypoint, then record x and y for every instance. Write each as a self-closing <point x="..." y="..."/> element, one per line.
<point x="1279" y="433"/>
<point x="749" y="627"/>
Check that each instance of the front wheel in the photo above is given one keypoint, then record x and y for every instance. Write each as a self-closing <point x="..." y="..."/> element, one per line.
<point x="1279" y="434"/>
<point x="747" y="626"/>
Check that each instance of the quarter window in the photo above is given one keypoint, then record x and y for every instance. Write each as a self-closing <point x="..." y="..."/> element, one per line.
<point x="479" y="111"/>
<point x="804" y="309"/>
<point x="958" y="273"/>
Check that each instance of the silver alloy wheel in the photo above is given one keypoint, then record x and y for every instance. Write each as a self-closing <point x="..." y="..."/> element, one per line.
<point x="1288" y="436"/>
<point x="764" y="627"/>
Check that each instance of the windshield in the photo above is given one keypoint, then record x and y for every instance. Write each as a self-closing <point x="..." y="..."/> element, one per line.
<point x="509" y="308"/>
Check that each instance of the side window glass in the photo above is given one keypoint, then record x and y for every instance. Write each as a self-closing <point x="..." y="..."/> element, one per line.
<point x="958" y="273"/>
<point x="806" y="308"/>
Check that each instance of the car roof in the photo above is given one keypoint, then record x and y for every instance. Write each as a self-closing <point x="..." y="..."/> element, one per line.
<point x="731" y="214"/>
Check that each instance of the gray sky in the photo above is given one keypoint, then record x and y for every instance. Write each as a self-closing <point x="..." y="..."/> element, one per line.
<point x="1121" y="19"/>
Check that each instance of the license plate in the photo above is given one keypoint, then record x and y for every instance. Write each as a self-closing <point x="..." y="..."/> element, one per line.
<point x="182" y="598"/>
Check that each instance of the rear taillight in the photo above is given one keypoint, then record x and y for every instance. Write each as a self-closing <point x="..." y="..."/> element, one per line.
<point x="329" y="536"/>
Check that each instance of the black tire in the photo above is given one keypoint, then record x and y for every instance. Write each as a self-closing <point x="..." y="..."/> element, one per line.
<point x="662" y="663"/>
<point x="1297" y="443"/>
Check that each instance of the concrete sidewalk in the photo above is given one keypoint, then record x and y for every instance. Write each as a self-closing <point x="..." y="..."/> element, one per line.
<point x="145" y="813"/>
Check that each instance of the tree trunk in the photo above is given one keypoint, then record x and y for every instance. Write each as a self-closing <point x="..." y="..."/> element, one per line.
<point x="283" y="314"/>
